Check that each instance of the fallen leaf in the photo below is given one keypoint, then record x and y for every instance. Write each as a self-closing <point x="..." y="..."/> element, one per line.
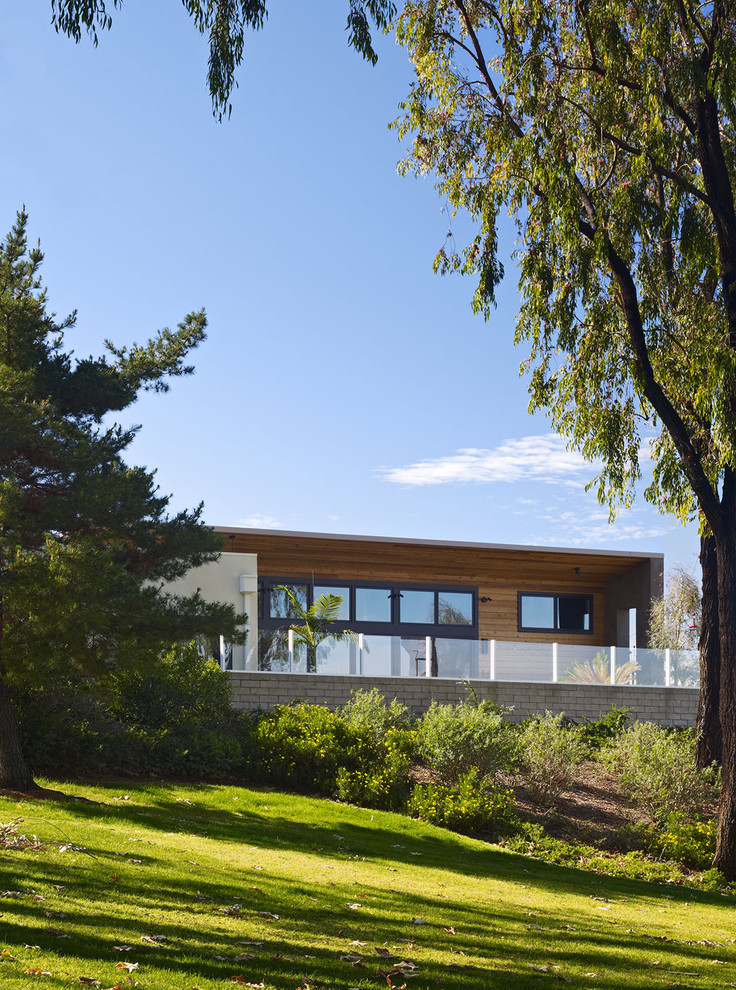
<point x="449" y="931"/>
<point x="385" y="953"/>
<point x="351" y="958"/>
<point x="59" y="886"/>
<point x="156" y="939"/>
<point x="259" y="944"/>
<point x="419" y="921"/>
<point x="354" y="907"/>
<point x="268" y="914"/>
<point x="38" y="972"/>
<point x="191" y="862"/>
<point x="13" y="893"/>
<point x="89" y="981"/>
<point x="27" y="946"/>
<point x="129" y="966"/>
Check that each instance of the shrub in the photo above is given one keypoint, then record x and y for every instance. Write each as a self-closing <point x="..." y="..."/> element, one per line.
<point x="549" y="752"/>
<point x="305" y="746"/>
<point x="596" y="732"/>
<point x="370" y="709"/>
<point x="468" y="806"/>
<point x="656" y="770"/>
<point x="174" y="718"/>
<point x="383" y="785"/>
<point x="691" y="843"/>
<point x="181" y="688"/>
<point x="454" y="739"/>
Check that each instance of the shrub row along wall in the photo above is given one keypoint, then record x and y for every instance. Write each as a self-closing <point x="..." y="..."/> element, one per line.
<point x="664" y="706"/>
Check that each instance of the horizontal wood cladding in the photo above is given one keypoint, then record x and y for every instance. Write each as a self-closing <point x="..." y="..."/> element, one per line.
<point x="490" y="569"/>
<point x="499" y="618"/>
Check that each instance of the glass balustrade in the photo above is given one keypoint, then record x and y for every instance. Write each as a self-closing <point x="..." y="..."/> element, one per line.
<point x="469" y="659"/>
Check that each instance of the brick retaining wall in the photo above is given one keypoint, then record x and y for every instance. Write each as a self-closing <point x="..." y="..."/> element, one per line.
<point x="665" y="706"/>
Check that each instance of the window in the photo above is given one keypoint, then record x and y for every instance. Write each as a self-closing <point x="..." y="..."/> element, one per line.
<point x="455" y="608"/>
<point x="339" y="592"/>
<point x="556" y="613"/>
<point x="416" y="606"/>
<point x="280" y="606"/>
<point x="372" y="604"/>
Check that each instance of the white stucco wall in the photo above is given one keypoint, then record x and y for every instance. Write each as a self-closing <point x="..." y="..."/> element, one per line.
<point x="233" y="579"/>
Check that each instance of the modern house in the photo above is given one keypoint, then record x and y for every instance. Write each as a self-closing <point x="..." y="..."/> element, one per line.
<point x="533" y="628"/>
<point x="461" y="596"/>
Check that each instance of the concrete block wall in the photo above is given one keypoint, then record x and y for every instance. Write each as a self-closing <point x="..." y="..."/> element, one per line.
<point x="664" y="706"/>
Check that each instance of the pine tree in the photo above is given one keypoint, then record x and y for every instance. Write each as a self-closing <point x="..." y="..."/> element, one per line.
<point x="85" y="542"/>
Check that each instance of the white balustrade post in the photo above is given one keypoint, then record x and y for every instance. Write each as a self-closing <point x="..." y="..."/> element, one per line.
<point x="667" y="668"/>
<point x="291" y="650"/>
<point x="428" y="654"/>
<point x="492" y="653"/>
<point x="360" y="654"/>
<point x="554" y="663"/>
<point x="613" y="665"/>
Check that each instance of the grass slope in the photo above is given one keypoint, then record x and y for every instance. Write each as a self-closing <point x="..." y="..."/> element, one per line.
<point x="213" y="869"/>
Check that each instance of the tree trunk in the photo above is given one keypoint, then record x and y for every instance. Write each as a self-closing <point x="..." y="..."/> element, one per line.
<point x="725" y="858"/>
<point x="14" y="772"/>
<point x="709" y="746"/>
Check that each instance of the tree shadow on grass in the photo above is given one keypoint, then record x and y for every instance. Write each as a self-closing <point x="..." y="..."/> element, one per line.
<point x="491" y="941"/>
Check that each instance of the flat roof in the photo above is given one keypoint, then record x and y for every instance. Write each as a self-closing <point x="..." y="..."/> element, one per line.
<point x="255" y="531"/>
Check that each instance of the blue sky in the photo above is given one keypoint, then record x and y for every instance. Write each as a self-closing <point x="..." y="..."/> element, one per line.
<point x="343" y="386"/>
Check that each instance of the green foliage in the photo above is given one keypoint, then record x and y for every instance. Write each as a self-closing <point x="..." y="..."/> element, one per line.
<point x="85" y="541"/>
<point x="656" y="769"/>
<point x="693" y="844"/>
<point x="385" y="783"/>
<point x="532" y="840"/>
<point x="596" y="732"/>
<point x="469" y="806"/>
<point x="224" y="24"/>
<point x="674" y="619"/>
<point x="549" y="752"/>
<point x="304" y="746"/>
<point x="607" y="133"/>
<point x="454" y="739"/>
<point x="181" y="688"/>
<point x="177" y="718"/>
<point x="370" y="709"/>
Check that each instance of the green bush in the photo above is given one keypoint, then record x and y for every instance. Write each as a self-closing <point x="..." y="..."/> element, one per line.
<point x="597" y="732"/>
<point x="304" y="746"/>
<point x="454" y="739"/>
<point x="383" y="785"/>
<point x="691" y="843"/>
<point x="656" y="770"/>
<point x="181" y="688"/>
<point x="174" y="718"/>
<point x="370" y="709"/>
<point x="549" y="752"/>
<point x="468" y="806"/>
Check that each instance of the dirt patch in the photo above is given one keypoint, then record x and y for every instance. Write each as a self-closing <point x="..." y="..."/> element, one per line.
<point x="593" y="811"/>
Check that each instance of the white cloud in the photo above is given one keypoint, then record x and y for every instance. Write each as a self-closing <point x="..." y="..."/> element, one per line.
<point x="581" y="529"/>
<point x="261" y="520"/>
<point x="536" y="458"/>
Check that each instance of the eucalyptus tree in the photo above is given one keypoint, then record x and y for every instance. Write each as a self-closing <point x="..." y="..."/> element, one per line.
<point x="86" y="544"/>
<point x="606" y="131"/>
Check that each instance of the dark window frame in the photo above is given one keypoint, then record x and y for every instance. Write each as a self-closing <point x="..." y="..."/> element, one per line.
<point x="410" y="630"/>
<point x="556" y="628"/>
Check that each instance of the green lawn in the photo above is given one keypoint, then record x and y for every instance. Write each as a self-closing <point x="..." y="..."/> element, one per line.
<point x="179" y="881"/>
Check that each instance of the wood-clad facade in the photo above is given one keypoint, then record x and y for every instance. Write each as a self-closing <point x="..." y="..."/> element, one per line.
<point x="496" y="576"/>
